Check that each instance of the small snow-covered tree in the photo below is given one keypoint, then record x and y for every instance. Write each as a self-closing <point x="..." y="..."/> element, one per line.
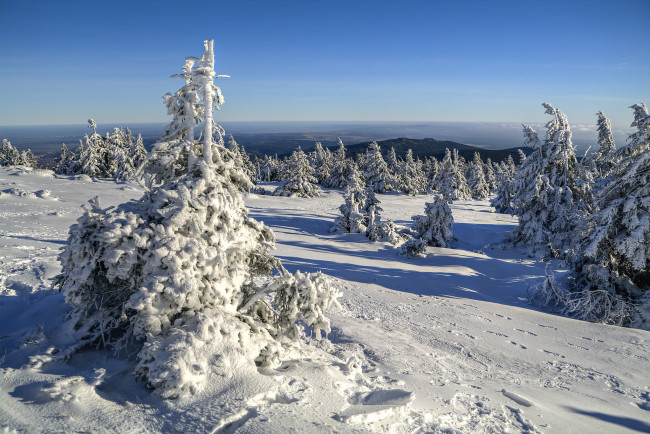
<point x="476" y="179"/>
<point x="268" y="169"/>
<point x="409" y="175"/>
<point x="299" y="180"/>
<point x="375" y="170"/>
<point x="184" y="273"/>
<point x="339" y="174"/>
<point x="490" y="175"/>
<point x="352" y="219"/>
<point x="27" y="158"/>
<point x="320" y="160"/>
<point x="392" y="161"/>
<point x="502" y="201"/>
<point x="431" y="167"/>
<point x="63" y="163"/>
<point x="9" y="155"/>
<point x="434" y="227"/>
<point x="450" y="181"/>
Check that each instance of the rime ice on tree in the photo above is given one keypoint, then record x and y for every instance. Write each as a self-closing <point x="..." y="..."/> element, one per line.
<point x="612" y="256"/>
<point x="183" y="272"/>
<point x="299" y="178"/>
<point x="434" y="227"/>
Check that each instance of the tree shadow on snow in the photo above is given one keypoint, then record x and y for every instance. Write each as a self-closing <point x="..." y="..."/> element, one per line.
<point x="448" y="275"/>
<point x="627" y="422"/>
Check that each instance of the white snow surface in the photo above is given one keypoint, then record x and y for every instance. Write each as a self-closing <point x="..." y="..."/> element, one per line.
<point x="444" y="343"/>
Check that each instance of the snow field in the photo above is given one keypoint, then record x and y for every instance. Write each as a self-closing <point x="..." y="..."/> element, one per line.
<point x="436" y="344"/>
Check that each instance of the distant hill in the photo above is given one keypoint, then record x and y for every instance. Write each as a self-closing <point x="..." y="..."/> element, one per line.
<point x="434" y="148"/>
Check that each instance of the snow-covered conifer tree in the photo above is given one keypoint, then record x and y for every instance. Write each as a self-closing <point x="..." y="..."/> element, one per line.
<point x="605" y="157"/>
<point x="450" y="181"/>
<point x="434" y="227"/>
<point x="409" y="175"/>
<point x="9" y="155"/>
<point x="339" y="174"/>
<point x="490" y="175"/>
<point x="178" y="271"/>
<point x="91" y="158"/>
<point x="321" y="162"/>
<point x="476" y="180"/>
<point x="431" y="167"/>
<point x="548" y="197"/>
<point x="502" y="202"/>
<point x="375" y="170"/>
<point x="352" y="219"/>
<point x="392" y="162"/>
<point x="269" y="169"/>
<point x="612" y="256"/>
<point x="63" y="163"/>
<point x="299" y="180"/>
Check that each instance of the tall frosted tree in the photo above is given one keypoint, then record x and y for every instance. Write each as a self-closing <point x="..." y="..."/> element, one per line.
<point x="612" y="253"/>
<point x="549" y="199"/>
<point x="606" y="156"/>
<point x="183" y="272"/>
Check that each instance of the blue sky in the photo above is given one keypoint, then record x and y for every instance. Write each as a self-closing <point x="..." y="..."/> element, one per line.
<point x="494" y="61"/>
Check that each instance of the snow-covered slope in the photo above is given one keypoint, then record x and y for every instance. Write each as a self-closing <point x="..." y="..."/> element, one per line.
<point x="435" y="344"/>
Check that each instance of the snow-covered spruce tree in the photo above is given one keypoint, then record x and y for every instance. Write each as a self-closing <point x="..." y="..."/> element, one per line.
<point x="612" y="257"/>
<point x="434" y="227"/>
<point x="550" y="199"/>
<point x="476" y="179"/>
<point x="352" y="220"/>
<point x="91" y="153"/>
<point x="339" y="174"/>
<point x="9" y="155"/>
<point x="431" y="167"/>
<point x="490" y="175"/>
<point x="375" y="170"/>
<point x="320" y="160"/>
<point x="410" y="176"/>
<point x="450" y="181"/>
<point x="268" y="169"/>
<point x="392" y="161"/>
<point x="177" y="272"/>
<point x="299" y="179"/>
<point x="605" y="158"/>
<point x="502" y="201"/>
<point x="28" y="159"/>
<point x="63" y="164"/>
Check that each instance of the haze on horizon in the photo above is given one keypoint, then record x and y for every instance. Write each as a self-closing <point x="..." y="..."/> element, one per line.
<point x="291" y="61"/>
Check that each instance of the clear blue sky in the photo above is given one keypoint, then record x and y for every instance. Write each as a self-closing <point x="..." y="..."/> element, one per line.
<point x="64" y="61"/>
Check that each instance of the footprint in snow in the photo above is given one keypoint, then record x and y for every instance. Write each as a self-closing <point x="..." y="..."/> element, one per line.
<point x="526" y="332"/>
<point x="554" y="354"/>
<point x="523" y="347"/>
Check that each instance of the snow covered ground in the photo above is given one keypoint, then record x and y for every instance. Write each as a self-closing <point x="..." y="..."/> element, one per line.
<point x="438" y="344"/>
